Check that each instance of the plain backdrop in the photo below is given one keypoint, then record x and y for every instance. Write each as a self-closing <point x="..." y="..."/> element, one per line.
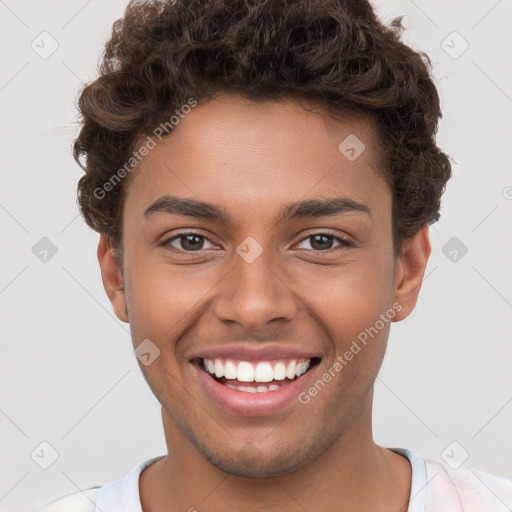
<point x="68" y="374"/>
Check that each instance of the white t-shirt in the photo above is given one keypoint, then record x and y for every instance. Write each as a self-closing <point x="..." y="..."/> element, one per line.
<point x="435" y="488"/>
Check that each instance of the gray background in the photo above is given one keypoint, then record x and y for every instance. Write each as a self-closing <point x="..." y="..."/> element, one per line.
<point x="68" y="374"/>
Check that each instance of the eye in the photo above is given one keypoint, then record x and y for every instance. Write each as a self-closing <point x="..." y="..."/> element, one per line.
<point x="323" y="242"/>
<point x="187" y="241"/>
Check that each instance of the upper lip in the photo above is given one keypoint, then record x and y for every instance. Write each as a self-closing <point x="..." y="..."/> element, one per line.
<point x="252" y="353"/>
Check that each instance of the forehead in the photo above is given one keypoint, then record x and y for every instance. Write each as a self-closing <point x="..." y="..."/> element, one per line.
<point x="253" y="157"/>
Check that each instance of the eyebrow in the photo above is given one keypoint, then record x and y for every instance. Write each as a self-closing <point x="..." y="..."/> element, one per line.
<point x="310" y="208"/>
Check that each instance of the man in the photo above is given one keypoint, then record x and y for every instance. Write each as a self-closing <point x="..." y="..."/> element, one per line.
<point x="263" y="175"/>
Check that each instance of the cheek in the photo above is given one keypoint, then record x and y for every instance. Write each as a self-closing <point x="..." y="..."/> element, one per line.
<point x="162" y="299"/>
<point x="354" y="306"/>
<point x="350" y="298"/>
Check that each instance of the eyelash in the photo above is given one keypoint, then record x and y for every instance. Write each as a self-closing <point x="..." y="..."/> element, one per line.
<point x="344" y="243"/>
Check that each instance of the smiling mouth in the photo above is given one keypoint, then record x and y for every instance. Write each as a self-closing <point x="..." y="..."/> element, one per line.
<point x="256" y="376"/>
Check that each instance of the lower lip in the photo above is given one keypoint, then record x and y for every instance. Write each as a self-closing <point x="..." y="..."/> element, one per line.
<point x="253" y="404"/>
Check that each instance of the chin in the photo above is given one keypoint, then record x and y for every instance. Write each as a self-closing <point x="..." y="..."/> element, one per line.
<point x="249" y="461"/>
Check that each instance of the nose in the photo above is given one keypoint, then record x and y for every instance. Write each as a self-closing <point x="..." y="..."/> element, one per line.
<point x="253" y="294"/>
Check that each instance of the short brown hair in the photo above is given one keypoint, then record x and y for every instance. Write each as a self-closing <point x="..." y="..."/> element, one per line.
<point x="334" y="52"/>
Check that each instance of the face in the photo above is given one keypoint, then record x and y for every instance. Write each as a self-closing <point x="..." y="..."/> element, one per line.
<point x="257" y="257"/>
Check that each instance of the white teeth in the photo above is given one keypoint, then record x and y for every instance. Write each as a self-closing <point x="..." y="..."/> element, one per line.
<point x="249" y="389"/>
<point x="263" y="371"/>
<point x="219" y="368"/>
<point x="245" y="372"/>
<point x="230" y="370"/>
<point x="279" y="371"/>
<point x="301" y="368"/>
<point x="290" y="370"/>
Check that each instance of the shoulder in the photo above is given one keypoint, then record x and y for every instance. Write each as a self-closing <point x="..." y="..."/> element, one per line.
<point x="114" y="494"/>
<point x="77" y="502"/>
<point x="474" y="489"/>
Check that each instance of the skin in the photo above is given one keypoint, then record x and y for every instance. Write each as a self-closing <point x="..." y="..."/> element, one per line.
<point x="252" y="158"/>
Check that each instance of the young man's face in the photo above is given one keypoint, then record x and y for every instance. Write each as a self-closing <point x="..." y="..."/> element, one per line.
<point x="215" y="297"/>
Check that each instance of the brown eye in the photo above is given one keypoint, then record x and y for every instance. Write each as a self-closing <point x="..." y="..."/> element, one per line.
<point x="322" y="242"/>
<point x="187" y="242"/>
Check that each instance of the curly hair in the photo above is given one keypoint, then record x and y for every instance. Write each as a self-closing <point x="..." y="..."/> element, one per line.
<point x="336" y="53"/>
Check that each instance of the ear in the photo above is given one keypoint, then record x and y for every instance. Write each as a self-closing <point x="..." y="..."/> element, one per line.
<point x="409" y="271"/>
<point x="112" y="278"/>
